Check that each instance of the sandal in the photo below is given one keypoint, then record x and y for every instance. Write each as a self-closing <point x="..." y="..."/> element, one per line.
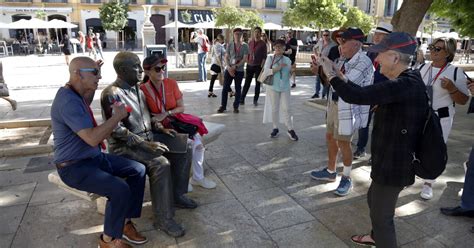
<point x="365" y="240"/>
<point x="211" y="94"/>
<point x="232" y="94"/>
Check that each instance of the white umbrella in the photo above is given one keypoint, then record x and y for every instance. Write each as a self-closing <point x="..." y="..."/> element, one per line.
<point x="3" y="25"/>
<point x="56" y="23"/>
<point x="204" y="25"/>
<point x="271" y="26"/>
<point x="180" y="25"/>
<point x="28" y="24"/>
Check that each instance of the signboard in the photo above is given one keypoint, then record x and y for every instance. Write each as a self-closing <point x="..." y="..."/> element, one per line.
<point x="197" y="16"/>
<point x="34" y="9"/>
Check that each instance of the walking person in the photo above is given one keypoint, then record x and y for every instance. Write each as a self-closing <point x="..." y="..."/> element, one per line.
<point x="268" y="42"/>
<point x="217" y="64"/>
<point x="4" y="92"/>
<point x="67" y="46"/>
<point x="446" y="85"/>
<point x="381" y="31"/>
<point x="343" y="118"/>
<point x="291" y="50"/>
<point x="203" y="47"/>
<point x="81" y="164"/>
<point x="235" y="58"/>
<point x="90" y="45"/>
<point x="82" y="42"/>
<point x="278" y="94"/>
<point x="401" y="113"/>
<point x="98" y="45"/>
<point x="255" y="60"/>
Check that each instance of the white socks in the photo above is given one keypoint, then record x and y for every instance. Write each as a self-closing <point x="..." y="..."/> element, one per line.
<point x="330" y="171"/>
<point x="347" y="171"/>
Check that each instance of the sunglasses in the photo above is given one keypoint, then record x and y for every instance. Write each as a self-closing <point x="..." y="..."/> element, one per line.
<point x="325" y="34"/>
<point x="435" y="48"/>
<point x="160" y="68"/>
<point x="94" y="71"/>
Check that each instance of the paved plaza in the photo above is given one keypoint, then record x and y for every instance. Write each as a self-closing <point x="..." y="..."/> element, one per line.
<point x="264" y="196"/>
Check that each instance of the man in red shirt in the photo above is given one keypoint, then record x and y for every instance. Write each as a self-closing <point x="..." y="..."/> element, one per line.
<point x="256" y="59"/>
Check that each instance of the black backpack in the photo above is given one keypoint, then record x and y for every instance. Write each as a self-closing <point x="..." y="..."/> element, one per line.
<point x="431" y="155"/>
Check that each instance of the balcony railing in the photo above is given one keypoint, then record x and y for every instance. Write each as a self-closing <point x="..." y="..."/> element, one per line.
<point x="157" y="2"/>
<point x="213" y="2"/>
<point x="270" y="4"/>
<point x="245" y="3"/>
<point x="54" y="1"/>
<point x="92" y="1"/>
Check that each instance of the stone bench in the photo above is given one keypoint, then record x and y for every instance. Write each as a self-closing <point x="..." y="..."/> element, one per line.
<point x="215" y="130"/>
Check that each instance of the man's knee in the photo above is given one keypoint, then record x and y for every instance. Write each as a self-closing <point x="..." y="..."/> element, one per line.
<point x="344" y="144"/>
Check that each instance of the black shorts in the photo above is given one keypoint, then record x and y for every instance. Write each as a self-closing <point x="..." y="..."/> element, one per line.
<point x="215" y="68"/>
<point x="67" y="51"/>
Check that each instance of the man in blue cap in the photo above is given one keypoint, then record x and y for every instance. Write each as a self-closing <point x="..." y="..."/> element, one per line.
<point x="343" y="118"/>
<point x="402" y="104"/>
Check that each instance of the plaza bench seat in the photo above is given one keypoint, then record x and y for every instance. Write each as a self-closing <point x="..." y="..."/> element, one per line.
<point x="215" y="130"/>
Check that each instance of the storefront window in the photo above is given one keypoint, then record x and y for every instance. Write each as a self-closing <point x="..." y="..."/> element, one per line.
<point x="270" y="3"/>
<point x="245" y="3"/>
<point x="186" y="2"/>
<point x="158" y="2"/>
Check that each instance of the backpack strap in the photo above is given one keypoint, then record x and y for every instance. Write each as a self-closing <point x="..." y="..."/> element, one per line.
<point x="421" y="66"/>
<point x="455" y="76"/>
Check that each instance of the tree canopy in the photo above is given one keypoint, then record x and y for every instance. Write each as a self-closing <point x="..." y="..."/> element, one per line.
<point x="459" y="12"/>
<point x="314" y="13"/>
<point x="229" y="16"/>
<point x="114" y="15"/>
<point x="357" y="18"/>
<point x="252" y="19"/>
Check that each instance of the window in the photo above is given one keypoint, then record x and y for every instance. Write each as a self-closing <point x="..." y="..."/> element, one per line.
<point x="390" y="7"/>
<point x="270" y="4"/>
<point x="213" y="2"/>
<point x="18" y="1"/>
<point x="186" y="2"/>
<point x="91" y="1"/>
<point x="245" y="3"/>
<point x="129" y="1"/>
<point x="158" y="2"/>
<point x="54" y="1"/>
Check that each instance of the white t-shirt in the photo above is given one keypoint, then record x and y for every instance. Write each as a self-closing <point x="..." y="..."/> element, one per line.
<point x="200" y="40"/>
<point x="441" y="97"/>
<point x="218" y="51"/>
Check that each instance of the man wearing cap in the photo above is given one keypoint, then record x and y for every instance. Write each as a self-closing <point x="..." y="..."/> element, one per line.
<point x="382" y="30"/>
<point x="235" y="57"/>
<point x="402" y="104"/>
<point x="343" y="119"/>
<point x="134" y="139"/>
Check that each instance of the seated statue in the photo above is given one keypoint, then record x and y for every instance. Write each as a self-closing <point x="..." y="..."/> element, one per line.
<point x="134" y="138"/>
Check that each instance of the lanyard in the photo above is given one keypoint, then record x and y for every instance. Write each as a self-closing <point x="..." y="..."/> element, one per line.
<point x="273" y="59"/>
<point x="432" y="80"/>
<point x="89" y="110"/>
<point x="161" y="97"/>
<point x="237" y="51"/>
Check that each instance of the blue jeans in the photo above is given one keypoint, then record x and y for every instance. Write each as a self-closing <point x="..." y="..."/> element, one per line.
<point x="202" y="66"/>
<point x="103" y="175"/>
<point x="239" y="76"/>
<point x="467" y="199"/>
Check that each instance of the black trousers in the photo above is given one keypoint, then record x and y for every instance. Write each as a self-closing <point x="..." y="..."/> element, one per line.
<point x="382" y="200"/>
<point x="251" y="72"/>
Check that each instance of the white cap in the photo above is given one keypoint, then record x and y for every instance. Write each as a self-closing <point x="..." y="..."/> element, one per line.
<point x="384" y="28"/>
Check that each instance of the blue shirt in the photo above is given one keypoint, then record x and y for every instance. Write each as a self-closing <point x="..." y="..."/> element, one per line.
<point x="281" y="79"/>
<point x="69" y="115"/>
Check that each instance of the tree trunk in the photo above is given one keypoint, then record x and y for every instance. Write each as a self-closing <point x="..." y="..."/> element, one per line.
<point x="410" y="15"/>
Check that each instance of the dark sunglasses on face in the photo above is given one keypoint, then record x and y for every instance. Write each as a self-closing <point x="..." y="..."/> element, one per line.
<point x="325" y="34"/>
<point x="94" y="71"/>
<point x="435" y="49"/>
<point x="160" y="68"/>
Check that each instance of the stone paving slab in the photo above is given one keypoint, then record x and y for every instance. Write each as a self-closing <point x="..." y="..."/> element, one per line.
<point x="16" y="194"/>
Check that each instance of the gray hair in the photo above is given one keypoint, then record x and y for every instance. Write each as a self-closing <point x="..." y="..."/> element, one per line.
<point x="405" y="59"/>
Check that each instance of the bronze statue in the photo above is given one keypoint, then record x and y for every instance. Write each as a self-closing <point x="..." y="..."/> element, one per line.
<point x="136" y="139"/>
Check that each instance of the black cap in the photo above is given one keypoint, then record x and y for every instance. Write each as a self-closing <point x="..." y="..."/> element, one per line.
<point x="353" y="34"/>
<point x="398" y="41"/>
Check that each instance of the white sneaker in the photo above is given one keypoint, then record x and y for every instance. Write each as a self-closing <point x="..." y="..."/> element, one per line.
<point x="426" y="192"/>
<point x="205" y="183"/>
<point x="460" y="193"/>
<point x="190" y="187"/>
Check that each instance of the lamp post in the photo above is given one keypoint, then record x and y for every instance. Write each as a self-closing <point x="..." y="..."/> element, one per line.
<point x="176" y="48"/>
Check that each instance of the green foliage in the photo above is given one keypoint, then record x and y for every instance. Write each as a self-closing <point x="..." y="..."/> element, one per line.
<point x="319" y="13"/>
<point x="186" y="16"/>
<point x="357" y="18"/>
<point x="40" y="13"/>
<point x="252" y="19"/>
<point x="229" y="16"/>
<point x="459" y="12"/>
<point x="114" y="15"/>
<point x="430" y="26"/>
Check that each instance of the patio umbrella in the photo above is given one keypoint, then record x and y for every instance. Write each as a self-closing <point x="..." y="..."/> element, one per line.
<point x="3" y="25"/>
<point x="204" y="25"/>
<point x="271" y="26"/>
<point x="33" y="23"/>
<point x="180" y="25"/>
<point x="56" y="23"/>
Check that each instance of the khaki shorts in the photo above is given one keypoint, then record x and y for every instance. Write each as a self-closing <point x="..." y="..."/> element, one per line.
<point x="332" y="122"/>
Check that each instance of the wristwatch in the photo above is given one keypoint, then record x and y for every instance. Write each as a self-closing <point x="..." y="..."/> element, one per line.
<point x="169" y="113"/>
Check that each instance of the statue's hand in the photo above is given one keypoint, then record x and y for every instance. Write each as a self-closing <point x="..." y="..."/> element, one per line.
<point x="155" y="147"/>
<point x="169" y="131"/>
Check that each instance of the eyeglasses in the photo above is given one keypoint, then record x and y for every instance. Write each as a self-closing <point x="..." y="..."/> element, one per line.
<point x="160" y="68"/>
<point x="435" y="48"/>
<point x="94" y="71"/>
<point x="325" y="34"/>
